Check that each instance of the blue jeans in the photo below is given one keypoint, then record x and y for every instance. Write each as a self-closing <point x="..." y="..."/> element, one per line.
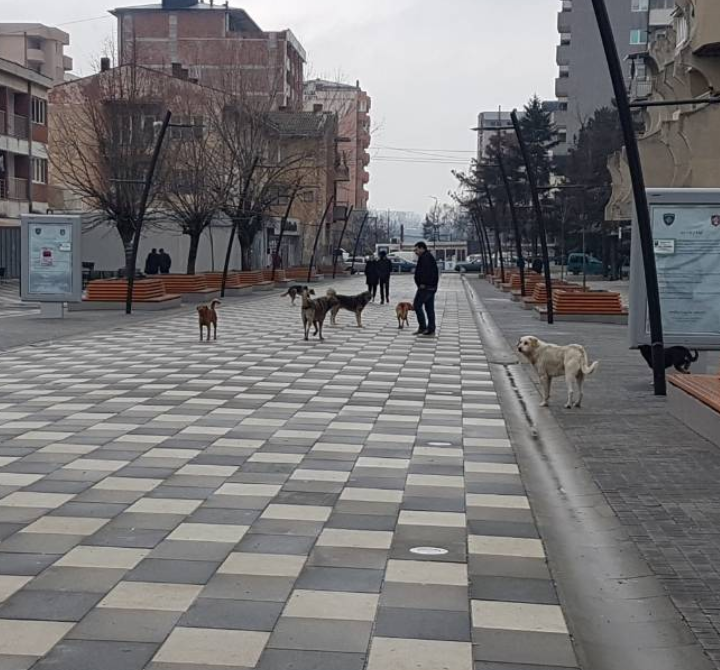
<point x="425" y="309"/>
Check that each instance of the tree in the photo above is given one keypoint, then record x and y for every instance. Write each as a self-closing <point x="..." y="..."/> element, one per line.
<point x="103" y="133"/>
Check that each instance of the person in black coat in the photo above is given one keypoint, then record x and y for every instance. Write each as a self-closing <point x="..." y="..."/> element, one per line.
<point x="427" y="278"/>
<point x="372" y="276"/>
<point x="165" y="262"/>
<point x="384" y="267"/>
<point x="152" y="263"/>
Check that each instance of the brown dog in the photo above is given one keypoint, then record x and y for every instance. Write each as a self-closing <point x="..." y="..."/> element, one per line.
<point x="402" y="311"/>
<point x="207" y="316"/>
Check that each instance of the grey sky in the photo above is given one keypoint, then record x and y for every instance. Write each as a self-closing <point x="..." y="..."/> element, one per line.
<point x="429" y="66"/>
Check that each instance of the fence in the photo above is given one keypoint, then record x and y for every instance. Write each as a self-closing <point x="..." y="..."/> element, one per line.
<point x="10" y="252"/>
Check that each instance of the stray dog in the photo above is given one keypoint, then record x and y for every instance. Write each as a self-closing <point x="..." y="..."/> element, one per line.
<point x="314" y="312"/>
<point x="402" y="311"/>
<point x="552" y="360"/>
<point x="679" y="358"/>
<point x="352" y="303"/>
<point x="295" y="291"/>
<point x="207" y="316"/>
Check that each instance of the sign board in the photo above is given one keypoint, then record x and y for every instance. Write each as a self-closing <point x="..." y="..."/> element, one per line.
<point x="51" y="258"/>
<point x="686" y="241"/>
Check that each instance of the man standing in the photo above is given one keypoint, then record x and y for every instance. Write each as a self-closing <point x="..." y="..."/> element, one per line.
<point x="427" y="278"/>
<point x="384" y="270"/>
<point x="165" y="262"/>
<point x="152" y="263"/>
<point x="371" y="276"/>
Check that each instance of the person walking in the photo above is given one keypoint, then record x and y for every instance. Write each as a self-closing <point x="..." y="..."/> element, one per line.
<point x="372" y="276"/>
<point x="427" y="278"/>
<point x="165" y="262"/>
<point x="152" y="263"/>
<point x="384" y="268"/>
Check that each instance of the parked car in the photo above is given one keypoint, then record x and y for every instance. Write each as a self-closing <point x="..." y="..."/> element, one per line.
<point x="359" y="265"/>
<point x="593" y="266"/>
<point x="469" y="266"/>
<point x="401" y="265"/>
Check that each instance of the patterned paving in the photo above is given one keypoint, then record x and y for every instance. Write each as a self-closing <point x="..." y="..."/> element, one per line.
<point x="254" y="502"/>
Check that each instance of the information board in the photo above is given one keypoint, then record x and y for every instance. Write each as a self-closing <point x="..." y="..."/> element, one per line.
<point x="51" y="258"/>
<point x="686" y="241"/>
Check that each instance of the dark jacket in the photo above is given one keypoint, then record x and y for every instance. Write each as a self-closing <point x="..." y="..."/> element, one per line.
<point x="152" y="264"/>
<point x="165" y="263"/>
<point x="372" y="275"/>
<point x="426" y="272"/>
<point x="384" y="268"/>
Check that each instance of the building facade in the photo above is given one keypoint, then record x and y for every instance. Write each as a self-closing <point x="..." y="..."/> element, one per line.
<point x="679" y="146"/>
<point x="218" y="45"/>
<point x="489" y="125"/>
<point x="37" y="47"/>
<point x="352" y="106"/>
<point x="583" y="84"/>
<point x="23" y="141"/>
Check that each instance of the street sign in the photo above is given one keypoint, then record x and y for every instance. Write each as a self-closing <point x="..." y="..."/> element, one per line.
<point x="51" y="258"/>
<point x="686" y="240"/>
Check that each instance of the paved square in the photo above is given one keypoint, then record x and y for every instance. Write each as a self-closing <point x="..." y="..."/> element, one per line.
<point x="260" y="502"/>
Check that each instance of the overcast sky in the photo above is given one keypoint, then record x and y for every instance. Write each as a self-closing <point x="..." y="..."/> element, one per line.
<point x="429" y="66"/>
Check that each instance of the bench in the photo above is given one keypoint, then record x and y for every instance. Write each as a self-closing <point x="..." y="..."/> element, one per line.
<point x="148" y="294"/>
<point x="233" y="285"/>
<point x="300" y="275"/>
<point x="509" y="277"/>
<point x="539" y="293"/>
<point x="589" y="306"/>
<point x="280" y="277"/>
<point x="192" y="288"/>
<point x="695" y="400"/>
<point x="255" y="279"/>
<point x="531" y="281"/>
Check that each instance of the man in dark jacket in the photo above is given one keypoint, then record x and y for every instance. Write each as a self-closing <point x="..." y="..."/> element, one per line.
<point x="165" y="262"/>
<point x="371" y="276"/>
<point x="427" y="278"/>
<point x="384" y="270"/>
<point x="152" y="263"/>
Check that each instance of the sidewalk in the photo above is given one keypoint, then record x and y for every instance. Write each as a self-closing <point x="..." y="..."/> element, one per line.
<point x="660" y="478"/>
<point x="260" y="502"/>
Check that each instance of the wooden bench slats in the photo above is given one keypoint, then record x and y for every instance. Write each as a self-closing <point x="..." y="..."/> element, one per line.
<point x="587" y="302"/>
<point x="705" y="388"/>
<point x="115" y="290"/>
<point x="184" y="283"/>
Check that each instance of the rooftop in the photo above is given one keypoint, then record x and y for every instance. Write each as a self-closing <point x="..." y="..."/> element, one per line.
<point x="298" y="124"/>
<point x="247" y="24"/>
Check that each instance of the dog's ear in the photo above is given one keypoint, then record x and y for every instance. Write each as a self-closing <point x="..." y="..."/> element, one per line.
<point x="534" y="342"/>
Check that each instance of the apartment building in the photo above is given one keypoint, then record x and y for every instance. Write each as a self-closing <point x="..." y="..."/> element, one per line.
<point x="583" y="84"/>
<point x="219" y="45"/>
<point x="23" y="141"/>
<point x="352" y="105"/>
<point x="37" y="47"/>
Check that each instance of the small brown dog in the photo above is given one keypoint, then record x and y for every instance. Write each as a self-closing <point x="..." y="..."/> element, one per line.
<point x="207" y="316"/>
<point x="402" y="311"/>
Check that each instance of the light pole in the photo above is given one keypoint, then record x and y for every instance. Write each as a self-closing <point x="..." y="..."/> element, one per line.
<point x="434" y="222"/>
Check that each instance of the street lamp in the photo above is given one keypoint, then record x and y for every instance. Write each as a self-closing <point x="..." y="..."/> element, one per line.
<point x="434" y="223"/>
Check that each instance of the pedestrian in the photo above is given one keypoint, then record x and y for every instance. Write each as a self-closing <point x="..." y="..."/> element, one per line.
<point x="537" y="266"/>
<point x="165" y="262"/>
<point x="427" y="278"/>
<point x="384" y="267"/>
<point x="152" y="263"/>
<point x="372" y="276"/>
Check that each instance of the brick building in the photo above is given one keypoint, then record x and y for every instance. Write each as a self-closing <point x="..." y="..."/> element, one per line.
<point x="219" y="46"/>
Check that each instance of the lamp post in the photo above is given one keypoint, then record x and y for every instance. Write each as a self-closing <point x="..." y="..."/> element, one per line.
<point x="641" y="203"/>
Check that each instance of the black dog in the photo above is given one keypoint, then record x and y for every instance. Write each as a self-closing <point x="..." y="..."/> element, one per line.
<point x="295" y="291"/>
<point x="679" y="358"/>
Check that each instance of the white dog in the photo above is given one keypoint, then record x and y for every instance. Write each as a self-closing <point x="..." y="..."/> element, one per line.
<point x="552" y="360"/>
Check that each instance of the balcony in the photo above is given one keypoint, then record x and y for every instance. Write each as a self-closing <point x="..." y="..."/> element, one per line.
<point x="3" y="122"/>
<point x="562" y="87"/>
<point x="564" y="22"/>
<point x="562" y="55"/>
<point x="13" y="189"/>
<point x="19" y="128"/>
<point x="36" y="56"/>
<point x="67" y="63"/>
<point x="706" y="40"/>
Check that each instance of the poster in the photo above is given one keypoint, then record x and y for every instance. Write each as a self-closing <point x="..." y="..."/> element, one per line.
<point x="687" y="255"/>
<point x="50" y="266"/>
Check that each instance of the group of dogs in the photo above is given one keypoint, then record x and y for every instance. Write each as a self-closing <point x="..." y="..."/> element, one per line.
<point x="549" y="360"/>
<point x="315" y="309"/>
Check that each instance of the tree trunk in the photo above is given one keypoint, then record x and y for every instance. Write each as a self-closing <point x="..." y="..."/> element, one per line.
<point x="193" y="251"/>
<point x="246" y="257"/>
<point x="128" y="245"/>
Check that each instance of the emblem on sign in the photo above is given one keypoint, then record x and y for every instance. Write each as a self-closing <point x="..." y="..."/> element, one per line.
<point x="669" y="219"/>
<point x="715" y="220"/>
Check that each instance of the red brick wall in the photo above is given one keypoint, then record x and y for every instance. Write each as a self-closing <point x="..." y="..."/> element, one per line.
<point x="152" y="24"/>
<point x="39" y="133"/>
<point x="201" y="24"/>
<point x="40" y="192"/>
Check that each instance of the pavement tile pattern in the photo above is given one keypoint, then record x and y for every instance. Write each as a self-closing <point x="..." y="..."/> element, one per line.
<point x="254" y="502"/>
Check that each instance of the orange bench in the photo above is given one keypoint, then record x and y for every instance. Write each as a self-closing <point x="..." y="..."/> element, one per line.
<point x="539" y="293"/>
<point x="112" y="293"/>
<point x="531" y="281"/>
<point x="192" y="288"/>
<point x="509" y="276"/>
<point x="695" y="400"/>
<point x="233" y="285"/>
<point x="591" y="306"/>
<point x="280" y="276"/>
<point x="705" y="388"/>
<point x="300" y="274"/>
<point x="255" y="279"/>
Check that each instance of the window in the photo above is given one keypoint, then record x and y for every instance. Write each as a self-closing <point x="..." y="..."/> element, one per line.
<point x="39" y="111"/>
<point x="662" y="4"/>
<point x="638" y="37"/>
<point x="640" y="5"/>
<point x="39" y="171"/>
<point x="562" y="106"/>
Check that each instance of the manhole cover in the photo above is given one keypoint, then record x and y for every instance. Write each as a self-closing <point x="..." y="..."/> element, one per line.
<point x="429" y="551"/>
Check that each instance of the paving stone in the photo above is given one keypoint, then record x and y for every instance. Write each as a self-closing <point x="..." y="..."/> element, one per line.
<point x="275" y="544"/>
<point x="77" y="580"/>
<point x="217" y="647"/>
<point x="249" y="587"/>
<point x="91" y="655"/>
<point x="321" y="635"/>
<point x="125" y="626"/>
<point x="423" y="624"/>
<point x="48" y="605"/>
<point x="160" y="570"/>
<point x="283" y="659"/>
<point x="231" y="614"/>
<point x="419" y="596"/>
<point x="340" y="579"/>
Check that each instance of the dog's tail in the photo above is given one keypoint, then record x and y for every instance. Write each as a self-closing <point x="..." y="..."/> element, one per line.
<point x="285" y="295"/>
<point x="587" y="367"/>
<point x="694" y="358"/>
<point x="215" y="303"/>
